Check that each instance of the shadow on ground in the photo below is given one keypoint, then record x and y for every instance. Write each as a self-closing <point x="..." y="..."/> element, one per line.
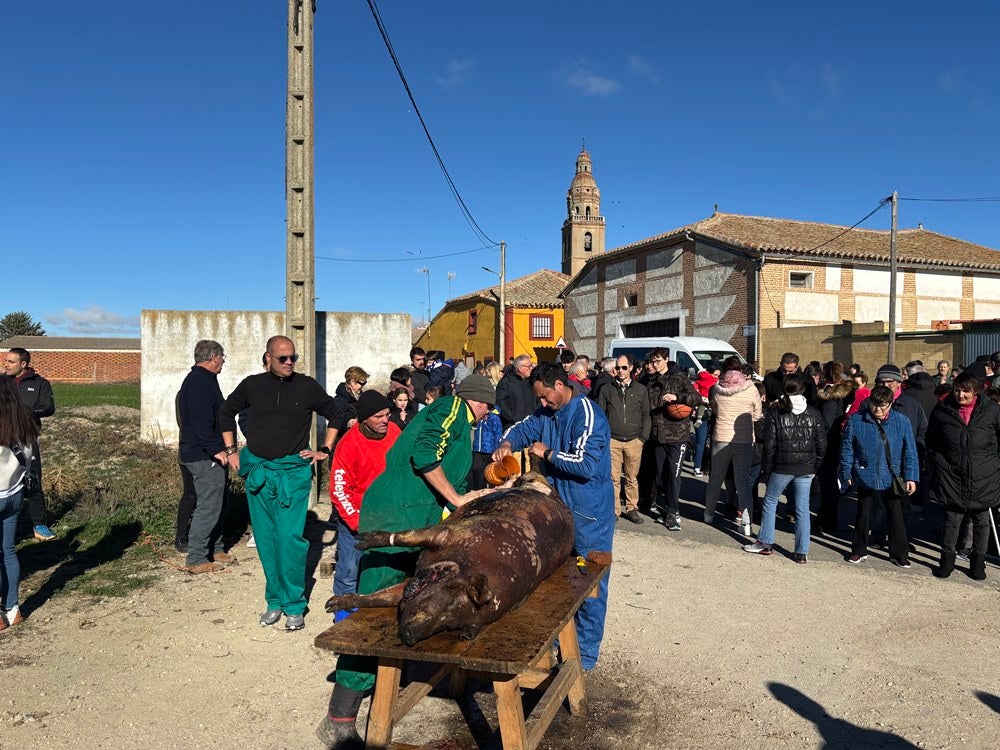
<point x="72" y="561"/>
<point x="837" y="734"/>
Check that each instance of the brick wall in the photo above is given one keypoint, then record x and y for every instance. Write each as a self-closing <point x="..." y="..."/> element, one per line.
<point x="864" y="343"/>
<point x="88" y="366"/>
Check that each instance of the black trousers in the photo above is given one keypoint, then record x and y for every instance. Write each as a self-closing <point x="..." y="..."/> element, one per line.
<point x="829" y="498"/>
<point x="477" y="475"/>
<point x="953" y="518"/>
<point x="36" y="500"/>
<point x="898" y="543"/>
<point x="669" y="459"/>
<point x="185" y="508"/>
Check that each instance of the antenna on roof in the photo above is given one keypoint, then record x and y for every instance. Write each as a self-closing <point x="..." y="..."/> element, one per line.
<point x="716" y="211"/>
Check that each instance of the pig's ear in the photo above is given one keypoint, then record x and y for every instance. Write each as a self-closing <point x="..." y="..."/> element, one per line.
<point x="480" y="592"/>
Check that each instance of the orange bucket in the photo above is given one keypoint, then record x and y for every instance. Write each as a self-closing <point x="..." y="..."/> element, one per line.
<point x="500" y="471"/>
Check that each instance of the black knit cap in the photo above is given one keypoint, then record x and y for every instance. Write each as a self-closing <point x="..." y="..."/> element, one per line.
<point x="370" y="403"/>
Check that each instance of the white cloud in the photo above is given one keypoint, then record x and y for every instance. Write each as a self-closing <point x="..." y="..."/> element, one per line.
<point x="93" y="321"/>
<point x="643" y="69"/>
<point x="580" y="76"/>
<point x="456" y="75"/>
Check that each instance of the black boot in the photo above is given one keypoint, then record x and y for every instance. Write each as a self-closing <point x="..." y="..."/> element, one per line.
<point x="339" y="727"/>
<point x="947" y="565"/>
<point x="977" y="566"/>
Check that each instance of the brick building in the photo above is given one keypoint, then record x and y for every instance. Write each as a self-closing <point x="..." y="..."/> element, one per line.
<point x="80" y="359"/>
<point x="731" y="276"/>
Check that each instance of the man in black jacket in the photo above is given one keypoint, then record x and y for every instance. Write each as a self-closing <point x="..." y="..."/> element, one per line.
<point x="515" y="396"/>
<point x="418" y="373"/>
<point x="203" y="454"/>
<point x="774" y="382"/>
<point x="670" y="433"/>
<point x="626" y="405"/>
<point x="277" y="464"/>
<point x="36" y="395"/>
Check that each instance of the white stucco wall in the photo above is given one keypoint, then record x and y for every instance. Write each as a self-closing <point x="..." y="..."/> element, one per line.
<point x="986" y="288"/>
<point x="811" y="306"/>
<point x="875" y="280"/>
<point x="929" y="284"/>
<point x="929" y="310"/>
<point x="870" y="309"/>
<point x="377" y="342"/>
<point x="833" y="277"/>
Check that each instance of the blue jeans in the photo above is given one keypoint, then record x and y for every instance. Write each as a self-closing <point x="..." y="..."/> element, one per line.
<point x="700" y="441"/>
<point x="800" y="489"/>
<point x="345" y="575"/>
<point x="10" y="572"/>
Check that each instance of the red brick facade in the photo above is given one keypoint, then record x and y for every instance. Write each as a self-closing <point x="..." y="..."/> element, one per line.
<point x="88" y="366"/>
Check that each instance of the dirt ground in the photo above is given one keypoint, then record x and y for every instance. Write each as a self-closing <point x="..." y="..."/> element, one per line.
<point x="706" y="647"/>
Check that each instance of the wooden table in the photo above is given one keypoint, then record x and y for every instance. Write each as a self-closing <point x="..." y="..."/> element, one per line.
<point x="514" y="652"/>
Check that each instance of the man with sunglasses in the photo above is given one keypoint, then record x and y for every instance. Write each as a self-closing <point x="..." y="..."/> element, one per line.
<point x="626" y="405"/>
<point x="277" y="465"/>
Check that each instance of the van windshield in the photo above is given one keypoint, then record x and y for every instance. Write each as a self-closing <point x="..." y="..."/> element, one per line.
<point x="705" y="356"/>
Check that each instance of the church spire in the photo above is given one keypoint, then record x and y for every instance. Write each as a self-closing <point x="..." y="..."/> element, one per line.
<point x="583" y="229"/>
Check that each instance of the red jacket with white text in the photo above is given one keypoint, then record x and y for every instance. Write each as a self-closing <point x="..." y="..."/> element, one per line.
<point x="357" y="460"/>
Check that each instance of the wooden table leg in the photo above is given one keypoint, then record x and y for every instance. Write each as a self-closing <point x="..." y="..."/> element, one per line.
<point x="569" y="648"/>
<point x="510" y="711"/>
<point x="459" y="678"/>
<point x="383" y="707"/>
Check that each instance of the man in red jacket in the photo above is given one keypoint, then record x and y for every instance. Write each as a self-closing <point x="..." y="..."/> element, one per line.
<point x="357" y="460"/>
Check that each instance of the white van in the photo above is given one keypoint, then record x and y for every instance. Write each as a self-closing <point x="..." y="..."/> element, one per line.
<point x="692" y="353"/>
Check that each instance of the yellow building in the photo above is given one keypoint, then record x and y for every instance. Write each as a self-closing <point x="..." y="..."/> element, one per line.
<point x="466" y="327"/>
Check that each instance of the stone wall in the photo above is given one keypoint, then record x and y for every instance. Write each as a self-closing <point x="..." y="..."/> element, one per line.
<point x="376" y="342"/>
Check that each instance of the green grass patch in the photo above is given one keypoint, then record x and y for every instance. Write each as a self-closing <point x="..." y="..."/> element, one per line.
<point x="69" y="395"/>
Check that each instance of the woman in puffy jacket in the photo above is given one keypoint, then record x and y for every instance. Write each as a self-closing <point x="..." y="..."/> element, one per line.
<point x="794" y="446"/>
<point x="963" y="436"/>
<point x="18" y="432"/>
<point x="736" y="406"/>
<point x="834" y="399"/>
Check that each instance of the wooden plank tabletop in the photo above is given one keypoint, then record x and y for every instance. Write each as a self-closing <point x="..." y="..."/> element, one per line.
<point x="510" y="645"/>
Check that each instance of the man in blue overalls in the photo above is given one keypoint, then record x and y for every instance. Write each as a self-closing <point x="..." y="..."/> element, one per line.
<point x="573" y="439"/>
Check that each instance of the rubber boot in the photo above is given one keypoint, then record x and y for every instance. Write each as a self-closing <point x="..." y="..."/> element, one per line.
<point x="977" y="566"/>
<point x="947" y="565"/>
<point x="339" y="727"/>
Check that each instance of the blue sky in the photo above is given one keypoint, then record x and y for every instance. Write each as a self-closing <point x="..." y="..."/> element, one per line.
<point x="143" y="153"/>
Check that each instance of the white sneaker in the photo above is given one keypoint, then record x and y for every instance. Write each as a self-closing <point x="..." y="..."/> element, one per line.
<point x="251" y="542"/>
<point x="696" y="472"/>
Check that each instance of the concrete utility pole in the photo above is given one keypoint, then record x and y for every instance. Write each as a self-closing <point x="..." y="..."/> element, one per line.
<point x="300" y="261"/>
<point x="892" y="280"/>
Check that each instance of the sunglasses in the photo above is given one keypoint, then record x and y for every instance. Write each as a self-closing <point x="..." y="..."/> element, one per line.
<point x="362" y="383"/>
<point x="622" y="367"/>
<point x="285" y="358"/>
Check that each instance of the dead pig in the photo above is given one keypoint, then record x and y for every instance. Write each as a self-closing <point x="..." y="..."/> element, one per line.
<point x="477" y="565"/>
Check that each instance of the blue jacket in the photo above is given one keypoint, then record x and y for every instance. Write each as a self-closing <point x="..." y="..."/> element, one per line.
<point x="862" y="453"/>
<point x="486" y="434"/>
<point x="580" y="466"/>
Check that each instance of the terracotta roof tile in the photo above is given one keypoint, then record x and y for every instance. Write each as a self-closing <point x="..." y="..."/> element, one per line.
<point x="758" y="234"/>
<point x="538" y="289"/>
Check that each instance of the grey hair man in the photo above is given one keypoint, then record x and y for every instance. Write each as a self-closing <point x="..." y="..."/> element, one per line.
<point x="203" y="453"/>
<point x="515" y="397"/>
<point x="606" y="376"/>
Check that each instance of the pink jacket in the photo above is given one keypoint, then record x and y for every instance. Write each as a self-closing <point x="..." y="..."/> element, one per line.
<point x="736" y="405"/>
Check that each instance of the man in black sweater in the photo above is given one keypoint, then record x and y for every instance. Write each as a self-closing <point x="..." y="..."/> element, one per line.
<point x="277" y="464"/>
<point x="36" y="395"/>
<point x="203" y="455"/>
<point x="515" y="396"/>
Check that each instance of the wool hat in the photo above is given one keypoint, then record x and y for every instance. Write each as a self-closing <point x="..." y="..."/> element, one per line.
<point x="733" y="378"/>
<point x="477" y="388"/>
<point x="888" y="372"/>
<point x="369" y="404"/>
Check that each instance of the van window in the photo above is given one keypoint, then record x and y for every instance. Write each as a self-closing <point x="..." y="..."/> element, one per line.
<point x="707" y="356"/>
<point x="685" y="362"/>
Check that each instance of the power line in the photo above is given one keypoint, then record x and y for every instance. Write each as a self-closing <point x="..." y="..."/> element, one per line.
<point x="987" y="199"/>
<point x="415" y="258"/>
<point x="473" y="224"/>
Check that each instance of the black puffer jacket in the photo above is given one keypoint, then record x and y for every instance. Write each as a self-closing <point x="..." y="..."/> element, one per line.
<point x="834" y="400"/>
<point x="793" y="443"/>
<point x="920" y="387"/>
<point x="965" y="468"/>
<point x="515" y="399"/>
<point x="666" y="429"/>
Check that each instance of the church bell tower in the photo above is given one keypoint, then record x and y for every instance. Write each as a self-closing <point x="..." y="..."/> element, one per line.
<point x="583" y="230"/>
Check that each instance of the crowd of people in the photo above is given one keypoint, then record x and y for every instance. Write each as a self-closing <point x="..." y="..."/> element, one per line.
<point x="614" y="438"/>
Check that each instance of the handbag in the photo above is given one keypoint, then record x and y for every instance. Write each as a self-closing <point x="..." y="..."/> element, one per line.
<point x="30" y="483"/>
<point x="898" y="486"/>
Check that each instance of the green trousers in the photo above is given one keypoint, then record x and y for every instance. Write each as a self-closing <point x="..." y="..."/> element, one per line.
<point x="278" y="497"/>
